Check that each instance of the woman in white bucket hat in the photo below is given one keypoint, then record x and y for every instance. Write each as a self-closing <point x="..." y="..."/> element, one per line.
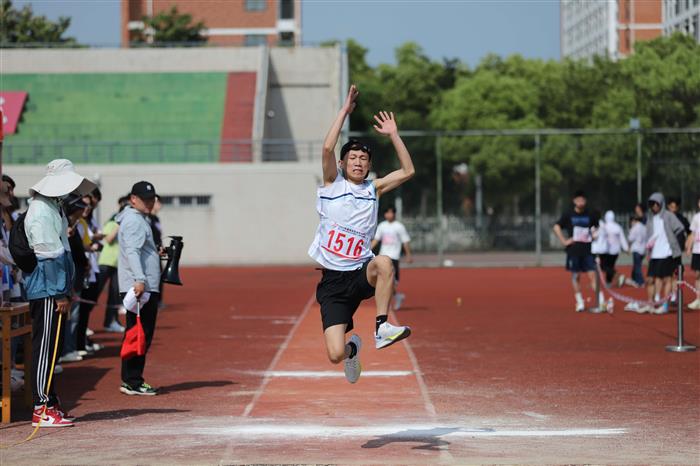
<point x="48" y="286"/>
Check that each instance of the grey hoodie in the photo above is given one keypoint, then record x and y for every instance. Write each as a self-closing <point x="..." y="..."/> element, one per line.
<point x="672" y="225"/>
<point x="138" y="256"/>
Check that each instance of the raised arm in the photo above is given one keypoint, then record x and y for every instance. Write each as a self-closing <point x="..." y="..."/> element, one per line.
<point x="330" y="168"/>
<point x="387" y="127"/>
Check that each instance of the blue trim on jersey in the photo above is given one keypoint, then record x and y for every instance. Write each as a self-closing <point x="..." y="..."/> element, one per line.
<point x="348" y="194"/>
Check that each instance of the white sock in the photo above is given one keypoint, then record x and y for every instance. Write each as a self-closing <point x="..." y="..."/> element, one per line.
<point x="656" y="297"/>
<point x="601" y="297"/>
<point x="579" y="297"/>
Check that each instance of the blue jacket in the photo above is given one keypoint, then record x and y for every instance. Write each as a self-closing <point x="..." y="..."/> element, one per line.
<point x="46" y="229"/>
<point x="52" y="278"/>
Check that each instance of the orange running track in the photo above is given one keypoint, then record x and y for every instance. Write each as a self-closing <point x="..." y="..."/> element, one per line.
<point x="499" y="369"/>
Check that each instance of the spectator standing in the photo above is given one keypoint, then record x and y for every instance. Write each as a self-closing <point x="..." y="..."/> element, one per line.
<point x="663" y="231"/>
<point x="637" y="239"/>
<point x="138" y="269"/>
<point x="49" y="284"/>
<point x="692" y="246"/>
<point x="108" y="261"/>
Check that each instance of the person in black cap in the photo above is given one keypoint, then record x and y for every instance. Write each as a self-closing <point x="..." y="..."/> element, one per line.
<point x="139" y="270"/>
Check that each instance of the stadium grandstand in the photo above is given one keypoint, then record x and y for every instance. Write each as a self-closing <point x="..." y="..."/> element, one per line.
<point x="207" y="126"/>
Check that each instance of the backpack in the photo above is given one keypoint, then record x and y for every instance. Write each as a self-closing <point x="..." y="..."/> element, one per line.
<point x="19" y="246"/>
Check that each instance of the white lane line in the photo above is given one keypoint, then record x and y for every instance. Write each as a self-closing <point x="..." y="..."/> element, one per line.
<point x="325" y="374"/>
<point x="429" y="407"/>
<point x="397" y="431"/>
<point x="275" y="360"/>
<point x="535" y="415"/>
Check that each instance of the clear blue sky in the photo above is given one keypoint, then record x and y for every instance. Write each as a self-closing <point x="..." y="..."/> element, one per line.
<point x="453" y="29"/>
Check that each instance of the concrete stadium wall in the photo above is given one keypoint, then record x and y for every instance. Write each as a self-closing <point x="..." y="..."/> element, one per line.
<point x="259" y="213"/>
<point x="303" y="92"/>
<point x="145" y="60"/>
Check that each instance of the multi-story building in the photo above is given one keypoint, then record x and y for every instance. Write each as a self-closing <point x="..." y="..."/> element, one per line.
<point x="228" y="22"/>
<point x="611" y="27"/>
<point x="683" y="16"/>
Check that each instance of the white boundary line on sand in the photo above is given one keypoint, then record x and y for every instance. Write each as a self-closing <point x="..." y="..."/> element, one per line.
<point x="326" y="374"/>
<point x="267" y="377"/>
<point x="395" y="431"/>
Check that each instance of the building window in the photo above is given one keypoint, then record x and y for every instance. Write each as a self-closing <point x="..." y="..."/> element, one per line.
<point x="201" y="200"/>
<point x="286" y="38"/>
<point x="287" y="9"/>
<point x="255" y="5"/>
<point x="255" y="39"/>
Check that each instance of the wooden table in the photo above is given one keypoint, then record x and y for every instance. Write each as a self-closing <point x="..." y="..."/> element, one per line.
<point x="16" y="321"/>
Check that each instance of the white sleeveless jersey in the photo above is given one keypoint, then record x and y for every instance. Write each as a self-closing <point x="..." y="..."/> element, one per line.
<point x="348" y="215"/>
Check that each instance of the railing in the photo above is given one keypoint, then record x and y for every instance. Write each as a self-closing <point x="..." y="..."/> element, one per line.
<point x="172" y="151"/>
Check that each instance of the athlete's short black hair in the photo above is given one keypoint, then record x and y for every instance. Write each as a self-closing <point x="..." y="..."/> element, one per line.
<point x="355" y="144"/>
<point x="580" y="193"/>
<point x="390" y="208"/>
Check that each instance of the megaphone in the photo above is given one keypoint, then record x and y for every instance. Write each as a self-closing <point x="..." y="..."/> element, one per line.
<point x="171" y="274"/>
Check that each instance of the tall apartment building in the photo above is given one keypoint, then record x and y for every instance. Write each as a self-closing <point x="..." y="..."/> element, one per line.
<point x="611" y="27"/>
<point x="228" y="22"/>
<point x="683" y="16"/>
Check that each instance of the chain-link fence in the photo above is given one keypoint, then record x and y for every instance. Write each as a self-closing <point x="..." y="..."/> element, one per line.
<point x="503" y="190"/>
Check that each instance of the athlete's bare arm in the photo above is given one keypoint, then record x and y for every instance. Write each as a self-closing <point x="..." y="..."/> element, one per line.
<point x="386" y="125"/>
<point x="330" y="167"/>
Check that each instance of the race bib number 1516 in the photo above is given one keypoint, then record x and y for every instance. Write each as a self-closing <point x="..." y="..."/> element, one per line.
<point x="344" y="244"/>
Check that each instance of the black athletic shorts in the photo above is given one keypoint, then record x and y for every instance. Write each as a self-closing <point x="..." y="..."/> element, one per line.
<point x="340" y="294"/>
<point x="695" y="263"/>
<point x="662" y="268"/>
<point x="396" y="269"/>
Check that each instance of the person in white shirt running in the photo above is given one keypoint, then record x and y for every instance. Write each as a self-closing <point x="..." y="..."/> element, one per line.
<point x="347" y="205"/>
<point x="616" y="242"/>
<point x="394" y="238"/>
<point x="692" y="246"/>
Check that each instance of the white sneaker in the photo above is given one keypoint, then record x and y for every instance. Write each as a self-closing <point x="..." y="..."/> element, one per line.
<point x="620" y="281"/>
<point x="353" y="368"/>
<point x="644" y="309"/>
<point x="580" y="306"/>
<point x="398" y="299"/>
<point x="661" y="310"/>
<point x="632" y="307"/>
<point x="73" y="356"/>
<point x="695" y="305"/>
<point x="89" y="332"/>
<point x="389" y="334"/>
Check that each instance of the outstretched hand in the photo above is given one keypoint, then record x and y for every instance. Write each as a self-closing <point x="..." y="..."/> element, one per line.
<point x="350" y="103"/>
<point x="387" y="123"/>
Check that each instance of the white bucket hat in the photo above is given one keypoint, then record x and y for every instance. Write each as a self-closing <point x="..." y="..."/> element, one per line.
<point x="61" y="179"/>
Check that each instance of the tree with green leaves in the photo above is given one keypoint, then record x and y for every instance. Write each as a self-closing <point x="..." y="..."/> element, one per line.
<point x="170" y="28"/>
<point x="24" y="27"/>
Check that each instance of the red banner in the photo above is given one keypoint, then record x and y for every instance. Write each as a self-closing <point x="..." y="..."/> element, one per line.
<point x="11" y="105"/>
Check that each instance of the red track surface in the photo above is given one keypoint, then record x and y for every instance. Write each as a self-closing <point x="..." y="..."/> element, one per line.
<point x="510" y="375"/>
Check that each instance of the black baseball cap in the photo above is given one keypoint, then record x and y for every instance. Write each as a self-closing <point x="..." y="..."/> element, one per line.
<point x="144" y="190"/>
<point x="355" y="144"/>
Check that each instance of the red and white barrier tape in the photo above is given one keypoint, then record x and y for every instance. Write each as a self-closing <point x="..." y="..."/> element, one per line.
<point x="629" y="300"/>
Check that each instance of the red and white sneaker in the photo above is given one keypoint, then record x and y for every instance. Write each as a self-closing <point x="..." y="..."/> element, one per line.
<point x="64" y="414"/>
<point x="51" y="418"/>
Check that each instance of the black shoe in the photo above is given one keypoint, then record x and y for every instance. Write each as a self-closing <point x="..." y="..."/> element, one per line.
<point x="143" y="389"/>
